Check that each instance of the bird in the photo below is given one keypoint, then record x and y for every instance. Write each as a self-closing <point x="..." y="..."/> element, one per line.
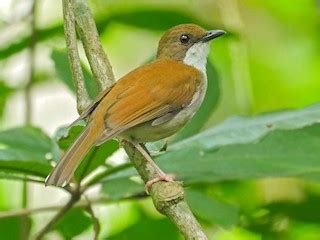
<point x="152" y="102"/>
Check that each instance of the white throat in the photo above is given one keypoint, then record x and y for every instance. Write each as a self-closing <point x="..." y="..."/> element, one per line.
<point x="197" y="55"/>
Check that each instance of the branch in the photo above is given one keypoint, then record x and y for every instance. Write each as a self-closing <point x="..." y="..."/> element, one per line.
<point x="83" y="99"/>
<point x="95" y="220"/>
<point x="168" y="197"/>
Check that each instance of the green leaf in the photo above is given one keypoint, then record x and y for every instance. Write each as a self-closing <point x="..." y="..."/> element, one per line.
<point x="61" y="62"/>
<point x="5" y="92"/>
<point x="211" y="210"/>
<point x="26" y="150"/>
<point x="73" y="223"/>
<point x="209" y="104"/>
<point x="65" y="136"/>
<point x="96" y="157"/>
<point x="241" y="130"/>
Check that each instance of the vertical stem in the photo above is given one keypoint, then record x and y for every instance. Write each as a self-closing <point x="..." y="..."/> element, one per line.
<point x="32" y="46"/>
<point x="25" y="228"/>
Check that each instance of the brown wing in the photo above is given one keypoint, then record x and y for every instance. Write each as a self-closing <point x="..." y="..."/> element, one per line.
<point x="148" y="93"/>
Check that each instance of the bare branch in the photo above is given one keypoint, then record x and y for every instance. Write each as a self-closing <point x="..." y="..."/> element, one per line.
<point x="99" y="63"/>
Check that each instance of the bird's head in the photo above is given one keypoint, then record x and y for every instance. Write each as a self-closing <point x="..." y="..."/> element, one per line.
<point x="188" y="43"/>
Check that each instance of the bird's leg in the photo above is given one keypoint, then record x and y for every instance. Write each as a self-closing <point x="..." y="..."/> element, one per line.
<point x="161" y="176"/>
<point x="165" y="145"/>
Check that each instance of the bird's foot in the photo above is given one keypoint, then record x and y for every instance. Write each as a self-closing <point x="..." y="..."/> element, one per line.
<point x="161" y="177"/>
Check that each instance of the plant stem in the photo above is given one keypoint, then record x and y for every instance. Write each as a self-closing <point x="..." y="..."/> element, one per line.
<point x="95" y="220"/>
<point x="79" y="204"/>
<point x="25" y="226"/>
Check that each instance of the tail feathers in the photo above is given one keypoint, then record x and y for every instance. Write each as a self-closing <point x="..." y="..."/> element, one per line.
<point x="66" y="167"/>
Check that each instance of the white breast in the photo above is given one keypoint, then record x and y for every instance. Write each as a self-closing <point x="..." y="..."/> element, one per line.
<point x="197" y="55"/>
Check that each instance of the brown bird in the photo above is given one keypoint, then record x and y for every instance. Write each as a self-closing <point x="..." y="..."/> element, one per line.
<point x="150" y="103"/>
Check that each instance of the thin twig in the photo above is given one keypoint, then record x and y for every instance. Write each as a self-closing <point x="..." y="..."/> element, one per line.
<point x="32" y="48"/>
<point x="99" y="176"/>
<point x="95" y="220"/>
<point x="25" y="226"/>
<point x="79" y="204"/>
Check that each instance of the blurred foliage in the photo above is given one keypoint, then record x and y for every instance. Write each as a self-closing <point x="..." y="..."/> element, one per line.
<point x="268" y="61"/>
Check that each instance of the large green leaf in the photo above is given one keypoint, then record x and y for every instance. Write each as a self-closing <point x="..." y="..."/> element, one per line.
<point x="26" y="150"/>
<point x="61" y="62"/>
<point x="241" y="130"/>
<point x="276" y="144"/>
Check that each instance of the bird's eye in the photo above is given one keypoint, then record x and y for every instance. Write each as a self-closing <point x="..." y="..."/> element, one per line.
<point x="184" y="38"/>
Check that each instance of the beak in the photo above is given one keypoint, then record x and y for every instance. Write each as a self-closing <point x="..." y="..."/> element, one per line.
<point x="212" y="34"/>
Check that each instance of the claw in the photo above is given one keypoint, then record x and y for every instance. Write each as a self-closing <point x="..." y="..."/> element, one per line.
<point x="162" y="177"/>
